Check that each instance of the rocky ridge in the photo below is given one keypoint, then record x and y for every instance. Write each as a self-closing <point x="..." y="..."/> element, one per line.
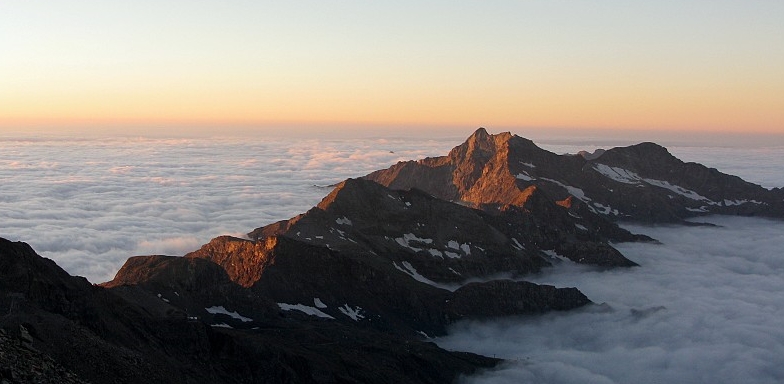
<point x="59" y="328"/>
<point x="642" y="182"/>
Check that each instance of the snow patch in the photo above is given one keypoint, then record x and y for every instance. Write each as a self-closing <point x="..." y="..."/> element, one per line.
<point x="530" y="165"/>
<point x="580" y="226"/>
<point x="452" y="255"/>
<point x="524" y="176"/>
<point x="353" y="313"/>
<point x="574" y="191"/>
<point x="318" y="303"/>
<point x="466" y="249"/>
<point x="308" y="310"/>
<point x="221" y="325"/>
<point x="407" y="238"/>
<point x="677" y="189"/>
<point x="739" y="202"/>
<point x="517" y="244"/>
<point x="409" y="269"/>
<point x="221" y="310"/>
<point x="436" y="253"/>
<point x="618" y="174"/>
<point x="605" y="209"/>
<point x="343" y="221"/>
<point x="628" y="177"/>
<point x="553" y="254"/>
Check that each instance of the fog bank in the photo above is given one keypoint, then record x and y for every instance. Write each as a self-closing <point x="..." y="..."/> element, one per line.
<point x="704" y="306"/>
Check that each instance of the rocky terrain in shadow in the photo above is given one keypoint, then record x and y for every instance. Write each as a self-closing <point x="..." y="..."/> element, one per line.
<point x="60" y="328"/>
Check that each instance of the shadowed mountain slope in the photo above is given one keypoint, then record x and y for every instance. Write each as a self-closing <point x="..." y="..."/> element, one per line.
<point x="57" y="328"/>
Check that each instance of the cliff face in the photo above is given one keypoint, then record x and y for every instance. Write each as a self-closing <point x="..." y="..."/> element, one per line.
<point x="643" y="182"/>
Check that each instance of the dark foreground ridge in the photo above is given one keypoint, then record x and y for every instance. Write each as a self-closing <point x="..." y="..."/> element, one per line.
<point x="57" y="328"/>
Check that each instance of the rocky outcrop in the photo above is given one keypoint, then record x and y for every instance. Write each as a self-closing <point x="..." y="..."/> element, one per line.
<point x="374" y="258"/>
<point x="369" y="291"/>
<point x="642" y="182"/>
<point x="116" y="341"/>
<point x="58" y="328"/>
<point x="20" y="362"/>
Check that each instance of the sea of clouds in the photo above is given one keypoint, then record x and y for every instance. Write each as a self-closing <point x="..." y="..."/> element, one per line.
<point x="89" y="204"/>
<point x="705" y="305"/>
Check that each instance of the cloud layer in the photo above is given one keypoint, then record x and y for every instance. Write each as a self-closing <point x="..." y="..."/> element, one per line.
<point x="704" y="306"/>
<point x="90" y="204"/>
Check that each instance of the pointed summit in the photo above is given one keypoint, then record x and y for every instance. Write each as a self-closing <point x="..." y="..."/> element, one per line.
<point x="483" y="169"/>
<point x="480" y="133"/>
<point x="480" y="145"/>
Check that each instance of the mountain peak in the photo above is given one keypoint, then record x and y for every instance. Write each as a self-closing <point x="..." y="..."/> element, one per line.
<point x="350" y="192"/>
<point x="647" y="150"/>
<point x="485" y="142"/>
<point x="480" y="132"/>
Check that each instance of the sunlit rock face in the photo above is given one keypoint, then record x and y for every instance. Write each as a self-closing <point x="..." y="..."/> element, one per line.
<point x="398" y="260"/>
<point x="642" y="182"/>
<point x="402" y="262"/>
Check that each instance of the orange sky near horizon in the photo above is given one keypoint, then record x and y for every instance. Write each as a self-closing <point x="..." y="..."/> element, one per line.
<point x="631" y="66"/>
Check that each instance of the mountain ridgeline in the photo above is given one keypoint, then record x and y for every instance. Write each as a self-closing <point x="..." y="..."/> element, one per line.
<point x="642" y="182"/>
<point x="349" y="290"/>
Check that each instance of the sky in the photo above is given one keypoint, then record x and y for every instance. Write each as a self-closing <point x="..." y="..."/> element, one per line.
<point x="249" y="66"/>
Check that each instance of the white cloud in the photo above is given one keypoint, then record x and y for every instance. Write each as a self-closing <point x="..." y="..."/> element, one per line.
<point x="169" y="246"/>
<point x="705" y="306"/>
<point x="90" y="204"/>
